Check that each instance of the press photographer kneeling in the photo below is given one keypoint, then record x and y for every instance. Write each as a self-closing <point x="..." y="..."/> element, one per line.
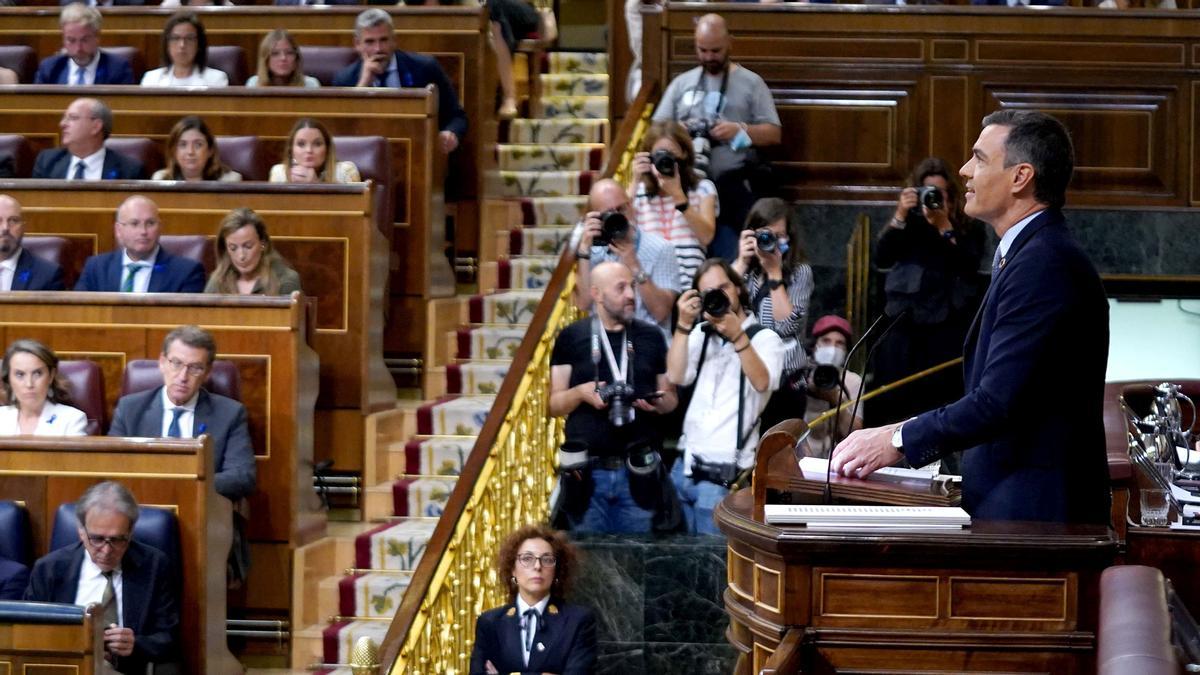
<point x="735" y="364"/>
<point x="608" y="376"/>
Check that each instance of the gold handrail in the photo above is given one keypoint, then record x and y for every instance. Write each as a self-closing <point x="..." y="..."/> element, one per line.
<point x="506" y="482"/>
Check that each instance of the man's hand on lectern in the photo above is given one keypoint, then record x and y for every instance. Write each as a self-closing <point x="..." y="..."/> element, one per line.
<point x="865" y="451"/>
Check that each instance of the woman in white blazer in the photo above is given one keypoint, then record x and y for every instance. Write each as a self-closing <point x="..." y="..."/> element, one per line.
<point x="185" y="57"/>
<point x="37" y="400"/>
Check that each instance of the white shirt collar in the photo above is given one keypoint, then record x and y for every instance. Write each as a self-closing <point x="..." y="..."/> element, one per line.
<point x="188" y="405"/>
<point x="90" y="69"/>
<point x="11" y="263"/>
<point x="148" y="262"/>
<point x="92" y="571"/>
<point x="522" y="606"/>
<point x="93" y="163"/>
<point x="1013" y="232"/>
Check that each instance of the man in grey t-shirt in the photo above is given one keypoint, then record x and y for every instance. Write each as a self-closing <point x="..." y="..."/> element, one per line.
<point x="739" y="111"/>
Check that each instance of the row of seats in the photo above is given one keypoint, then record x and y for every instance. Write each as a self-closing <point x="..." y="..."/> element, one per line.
<point x="319" y="62"/>
<point x="248" y="155"/>
<point x="85" y="382"/>
<point x="155" y="527"/>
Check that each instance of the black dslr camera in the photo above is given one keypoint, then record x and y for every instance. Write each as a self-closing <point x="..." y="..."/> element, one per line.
<point x="766" y="240"/>
<point x="930" y="197"/>
<point x="619" y="397"/>
<point x="701" y="145"/>
<point x="715" y="303"/>
<point x="664" y="161"/>
<point x="826" y="377"/>
<point x="614" y="226"/>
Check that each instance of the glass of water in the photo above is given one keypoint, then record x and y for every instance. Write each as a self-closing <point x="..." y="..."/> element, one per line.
<point x="1155" y="507"/>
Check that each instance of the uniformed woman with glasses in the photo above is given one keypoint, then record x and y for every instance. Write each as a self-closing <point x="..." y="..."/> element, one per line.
<point x="537" y="632"/>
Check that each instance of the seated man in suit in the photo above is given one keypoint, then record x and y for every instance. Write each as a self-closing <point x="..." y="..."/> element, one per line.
<point x="140" y="265"/>
<point x="21" y="270"/>
<point x="14" y="577"/>
<point x="85" y="125"/>
<point x="133" y="583"/>
<point x="381" y="65"/>
<point x="81" y="61"/>
<point x="181" y="409"/>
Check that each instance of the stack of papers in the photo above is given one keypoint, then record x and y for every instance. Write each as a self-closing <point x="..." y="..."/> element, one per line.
<point x="853" y="517"/>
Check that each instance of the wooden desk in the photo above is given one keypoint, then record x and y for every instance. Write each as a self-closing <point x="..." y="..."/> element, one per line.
<point x="456" y="36"/>
<point x="407" y="118"/>
<point x="865" y="92"/>
<point x="1000" y="597"/>
<point x="25" y="646"/>
<point x="170" y="473"/>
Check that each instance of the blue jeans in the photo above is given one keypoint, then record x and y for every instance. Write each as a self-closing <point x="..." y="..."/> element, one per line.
<point x="612" y="509"/>
<point x="698" y="499"/>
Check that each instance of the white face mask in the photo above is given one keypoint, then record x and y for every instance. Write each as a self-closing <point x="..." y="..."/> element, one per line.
<point x="829" y="355"/>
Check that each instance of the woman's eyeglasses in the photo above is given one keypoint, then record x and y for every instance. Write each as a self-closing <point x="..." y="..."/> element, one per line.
<point x="528" y="559"/>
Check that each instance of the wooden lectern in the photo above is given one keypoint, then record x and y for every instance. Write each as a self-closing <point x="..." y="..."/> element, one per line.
<point x="1000" y="597"/>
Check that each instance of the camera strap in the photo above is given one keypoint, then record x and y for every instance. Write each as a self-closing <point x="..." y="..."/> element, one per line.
<point x="720" y="95"/>
<point x="602" y="344"/>
<point x="741" y="437"/>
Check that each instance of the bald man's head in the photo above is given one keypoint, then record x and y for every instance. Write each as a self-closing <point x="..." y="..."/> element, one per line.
<point x="138" y="228"/>
<point x="613" y="293"/>
<point x="12" y="227"/>
<point x="712" y="43"/>
<point x="607" y="195"/>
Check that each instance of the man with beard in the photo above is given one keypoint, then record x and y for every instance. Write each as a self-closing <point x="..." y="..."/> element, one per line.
<point x="611" y="479"/>
<point x="21" y="270"/>
<point x="732" y="109"/>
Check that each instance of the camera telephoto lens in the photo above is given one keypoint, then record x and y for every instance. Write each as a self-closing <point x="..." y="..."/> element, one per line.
<point x="930" y="197"/>
<point x="714" y="302"/>
<point x="664" y="161"/>
<point x="766" y="240"/>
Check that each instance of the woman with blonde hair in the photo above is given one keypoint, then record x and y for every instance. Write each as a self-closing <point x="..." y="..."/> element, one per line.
<point x="247" y="263"/>
<point x="280" y="63"/>
<point x="309" y="157"/>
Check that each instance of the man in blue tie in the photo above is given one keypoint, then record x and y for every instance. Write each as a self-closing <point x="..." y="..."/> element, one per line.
<point x="81" y="61"/>
<point x="380" y="64"/>
<point x="84" y="127"/>
<point x="140" y="265"/>
<point x="182" y="409"/>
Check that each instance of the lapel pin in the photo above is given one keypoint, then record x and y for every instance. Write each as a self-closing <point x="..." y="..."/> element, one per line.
<point x="512" y="611"/>
<point x="1003" y="259"/>
<point x="552" y="609"/>
<point x="541" y="647"/>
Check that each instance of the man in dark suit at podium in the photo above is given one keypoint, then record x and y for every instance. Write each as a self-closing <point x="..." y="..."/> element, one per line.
<point x="1035" y="357"/>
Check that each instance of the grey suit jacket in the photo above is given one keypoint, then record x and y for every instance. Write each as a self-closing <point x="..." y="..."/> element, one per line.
<point x="140" y="415"/>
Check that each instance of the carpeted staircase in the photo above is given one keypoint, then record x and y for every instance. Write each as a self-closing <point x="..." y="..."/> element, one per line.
<point x="542" y="174"/>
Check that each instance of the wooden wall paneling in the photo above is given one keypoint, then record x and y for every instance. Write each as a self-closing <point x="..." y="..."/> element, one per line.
<point x="175" y="473"/>
<point x="1122" y="84"/>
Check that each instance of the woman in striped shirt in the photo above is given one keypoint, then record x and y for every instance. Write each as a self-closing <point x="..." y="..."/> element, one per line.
<point x="670" y="200"/>
<point x="771" y="257"/>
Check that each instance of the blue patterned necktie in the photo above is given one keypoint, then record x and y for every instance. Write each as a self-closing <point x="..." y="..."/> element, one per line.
<point x="173" y="430"/>
<point x="79" y="167"/>
<point x="79" y="75"/>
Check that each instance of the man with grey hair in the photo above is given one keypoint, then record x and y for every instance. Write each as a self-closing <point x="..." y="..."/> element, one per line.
<point x="85" y="126"/>
<point x="182" y="409"/>
<point x="380" y="64"/>
<point x="81" y="61"/>
<point x="133" y="583"/>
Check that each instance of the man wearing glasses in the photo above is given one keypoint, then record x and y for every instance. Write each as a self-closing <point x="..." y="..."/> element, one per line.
<point x="132" y="582"/>
<point x="139" y="265"/>
<point x="181" y="409"/>
<point x="81" y="155"/>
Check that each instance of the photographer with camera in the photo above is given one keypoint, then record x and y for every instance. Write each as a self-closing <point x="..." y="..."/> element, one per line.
<point x="931" y="252"/>
<point x="608" y="377"/>
<point x="832" y="336"/>
<point x="772" y="261"/>
<point x="728" y="112"/>
<point x="609" y="233"/>
<point x="733" y="364"/>
<point x="670" y="200"/>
